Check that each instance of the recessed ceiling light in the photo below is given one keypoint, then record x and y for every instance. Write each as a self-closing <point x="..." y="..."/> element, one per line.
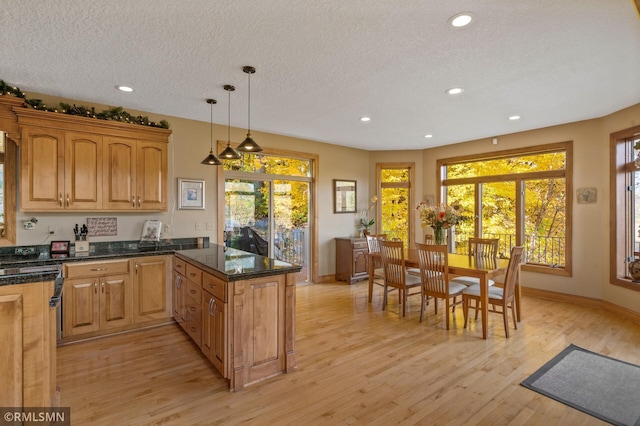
<point x="124" y="88"/>
<point x="461" y="19"/>
<point x="514" y="117"/>
<point x="455" y="90"/>
<point x="365" y="118"/>
<point x="428" y="136"/>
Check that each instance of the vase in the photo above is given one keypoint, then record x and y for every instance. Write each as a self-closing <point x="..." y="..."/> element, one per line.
<point x="440" y="235"/>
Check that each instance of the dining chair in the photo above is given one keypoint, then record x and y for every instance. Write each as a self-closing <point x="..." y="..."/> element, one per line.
<point x="395" y="274"/>
<point x="428" y="239"/>
<point x="485" y="250"/>
<point x="500" y="299"/>
<point x="373" y="242"/>
<point x="434" y="274"/>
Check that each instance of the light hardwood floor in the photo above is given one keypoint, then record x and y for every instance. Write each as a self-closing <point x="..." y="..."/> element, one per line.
<point x="357" y="365"/>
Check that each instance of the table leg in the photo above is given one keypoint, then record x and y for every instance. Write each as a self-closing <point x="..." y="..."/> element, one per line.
<point x="484" y="303"/>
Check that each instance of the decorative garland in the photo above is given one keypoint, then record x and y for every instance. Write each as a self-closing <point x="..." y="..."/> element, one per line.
<point x="114" y="114"/>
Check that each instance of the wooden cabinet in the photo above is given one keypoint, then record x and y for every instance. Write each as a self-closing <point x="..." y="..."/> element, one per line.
<point x="214" y="321"/>
<point x="108" y="296"/>
<point x="351" y="259"/>
<point x="151" y="295"/>
<point x="246" y="327"/>
<point x="179" y="297"/>
<point x="97" y="296"/>
<point x="135" y="175"/>
<point x="61" y="170"/>
<point x="28" y="348"/>
<point x="77" y="163"/>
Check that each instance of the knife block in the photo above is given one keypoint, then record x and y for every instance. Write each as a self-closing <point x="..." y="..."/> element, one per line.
<point x="82" y="246"/>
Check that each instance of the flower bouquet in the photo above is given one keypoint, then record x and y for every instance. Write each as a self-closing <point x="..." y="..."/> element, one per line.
<point x="440" y="218"/>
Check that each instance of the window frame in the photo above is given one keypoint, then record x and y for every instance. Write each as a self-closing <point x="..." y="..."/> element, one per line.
<point x="520" y="178"/>
<point x="620" y="167"/>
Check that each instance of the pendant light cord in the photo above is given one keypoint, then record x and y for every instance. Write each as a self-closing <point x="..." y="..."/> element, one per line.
<point x="249" y="106"/>
<point x="211" y="130"/>
<point x="229" y="119"/>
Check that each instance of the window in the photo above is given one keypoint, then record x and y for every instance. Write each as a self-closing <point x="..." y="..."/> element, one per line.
<point x="522" y="197"/>
<point x="395" y="187"/>
<point x="625" y="211"/>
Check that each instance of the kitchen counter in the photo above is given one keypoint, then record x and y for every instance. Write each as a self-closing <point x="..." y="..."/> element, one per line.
<point x="16" y="269"/>
<point x="230" y="264"/>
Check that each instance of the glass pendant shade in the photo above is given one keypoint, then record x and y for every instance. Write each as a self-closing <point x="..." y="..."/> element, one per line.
<point x="249" y="145"/>
<point x="229" y="153"/>
<point x="211" y="159"/>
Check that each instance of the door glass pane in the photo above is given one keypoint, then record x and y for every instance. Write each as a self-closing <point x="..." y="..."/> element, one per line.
<point x="545" y="221"/>
<point x="270" y="164"/>
<point x="499" y="214"/>
<point x="247" y="215"/>
<point x="395" y="213"/>
<point x="291" y="217"/>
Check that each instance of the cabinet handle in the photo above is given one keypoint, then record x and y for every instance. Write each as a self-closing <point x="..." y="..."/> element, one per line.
<point x="60" y="199"/>
<point x="95" y="287"/>
<point x="139" y="201"/>
<point x="98" y="269"/>
<point x="178" y="282"/>
<point x="193" y="329"/>
<point x="136" y="268"/>
<point x="192" y="291"/>
<point x="211" y="286"/>
<point x="67" y="200"/>
<point x="103" y="286"/>
<point x="133" y="201"/>
<point x="211" y="307"/>
<point x="193" y="274"/>
<point x="192" y="309"/>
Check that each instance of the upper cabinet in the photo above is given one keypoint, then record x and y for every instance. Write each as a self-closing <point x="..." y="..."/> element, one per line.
<point x="83" y="164"/>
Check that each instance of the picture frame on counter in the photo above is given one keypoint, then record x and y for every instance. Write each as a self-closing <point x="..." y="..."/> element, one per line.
<point x="59" y="249"/>
<point x="190" y="194"/>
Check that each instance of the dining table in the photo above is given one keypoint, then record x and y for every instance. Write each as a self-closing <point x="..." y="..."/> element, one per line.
<point x="459" y="264"/>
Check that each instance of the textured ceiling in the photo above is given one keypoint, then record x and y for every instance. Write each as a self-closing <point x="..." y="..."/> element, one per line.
<point x="323" y="64"/>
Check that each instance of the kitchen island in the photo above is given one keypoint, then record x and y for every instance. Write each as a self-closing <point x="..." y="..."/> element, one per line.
<point x="239" y="308"/>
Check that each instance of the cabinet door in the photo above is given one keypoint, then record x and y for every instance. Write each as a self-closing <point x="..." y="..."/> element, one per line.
<point x="115" y="301"/>
<point x="42" y="169"/>
<point x="81" y="302"/>
<point x="179" y="288"/>
<point x="150" y="288"/>
<point x="360" y="262"/>
<point x="213" y="331"/>
<point x="119" y="174"/>
<point x="83" y="171"/>
<point x="151" y="176"/>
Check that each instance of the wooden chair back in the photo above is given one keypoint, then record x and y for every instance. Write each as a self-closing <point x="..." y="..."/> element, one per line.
<point x="392" y="254"/>
<point x="434" y="270"/>
<point x="511" y="277"/>
<point x="428" y="239"/>
<point x="373" y="242"/>
<point x="484" y="247"/>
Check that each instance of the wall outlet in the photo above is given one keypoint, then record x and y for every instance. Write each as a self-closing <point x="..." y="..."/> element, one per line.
<point x="167" y="230"/>
<point x="198" y="226"/>
<point x="209" y="226"/>
<point x="52" y="229"/>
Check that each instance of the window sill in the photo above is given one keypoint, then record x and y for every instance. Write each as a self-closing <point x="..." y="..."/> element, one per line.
<point x="562" y="272"/>
<point x="626" y="283"/>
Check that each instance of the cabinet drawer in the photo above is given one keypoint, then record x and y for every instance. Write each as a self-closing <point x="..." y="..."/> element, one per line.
<point x="194" y="291"/>
<point x="194" y="274"/>
<point x="194" y="328"/>
<point x="179" y="265"/>
<point x="215" y="286"/>
<point x="360" y="245"/>
<point x="194" y="309"/>
<point x="76" y="270"/>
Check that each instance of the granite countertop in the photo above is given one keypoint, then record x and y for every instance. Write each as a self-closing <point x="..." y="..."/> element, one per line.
<point x="230" y="264"/>
<point x="16" y="269"/>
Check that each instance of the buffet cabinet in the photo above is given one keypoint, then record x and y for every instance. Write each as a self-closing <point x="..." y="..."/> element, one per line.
<point x="107" y="296"/>
<point x="245" y="328"/>
<point x="71" y="163"/>
<point x="351" y="259"/>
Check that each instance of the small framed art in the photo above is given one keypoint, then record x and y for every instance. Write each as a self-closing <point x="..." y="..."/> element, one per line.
<point x="59" y="249"/>
<point x="190" y="194"/>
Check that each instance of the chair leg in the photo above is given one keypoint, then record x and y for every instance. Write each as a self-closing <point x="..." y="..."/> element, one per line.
<point x="465" y="310"/>
<point x="446" y="313"/>
<point x="513" y="312"/>
<point x="384" y="297"/>
<point x="435" y="305"/>
<point x="404" y="303"/>
<point x="505" y="315"/>
<point x="423" y="306"/>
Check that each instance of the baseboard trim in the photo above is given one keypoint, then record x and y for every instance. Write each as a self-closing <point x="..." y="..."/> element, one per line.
<point x="582" y="301"/>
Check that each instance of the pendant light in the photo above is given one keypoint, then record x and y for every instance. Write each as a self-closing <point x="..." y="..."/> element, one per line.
<point x="229" y="153"/>
<point x="249" y="145"/>
<point x="211" y="159"/>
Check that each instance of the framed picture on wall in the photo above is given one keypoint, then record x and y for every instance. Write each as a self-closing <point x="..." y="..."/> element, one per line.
<point x="344" y="196"/>
<point x="190" y="194"/>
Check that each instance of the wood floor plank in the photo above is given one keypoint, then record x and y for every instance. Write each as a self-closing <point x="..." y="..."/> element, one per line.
<point x="357" y="365"/>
